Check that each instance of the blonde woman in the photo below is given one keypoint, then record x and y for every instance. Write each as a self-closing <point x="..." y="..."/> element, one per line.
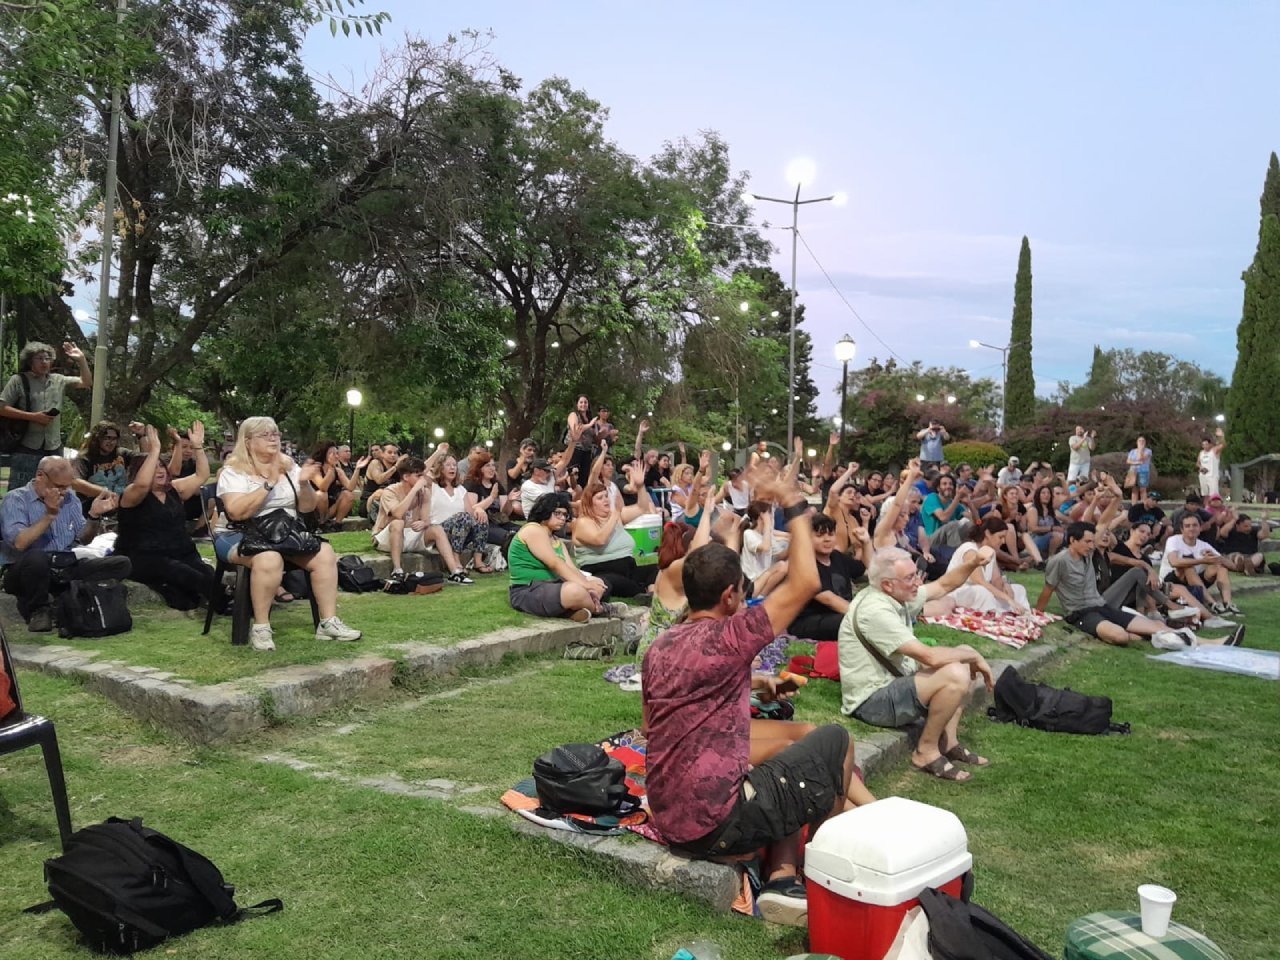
<point x="255" y="480"/>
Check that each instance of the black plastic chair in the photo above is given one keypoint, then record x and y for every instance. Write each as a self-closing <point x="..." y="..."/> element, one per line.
<point x="20" y="730"/>
<point x="242" y="604"/>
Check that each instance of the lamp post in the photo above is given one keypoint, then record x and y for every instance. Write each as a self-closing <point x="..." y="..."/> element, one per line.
<point x="1004" y="374"/>
<point x="799" y="172"/>
<point x="846" y="349"/>
<point x="354" y="399"/>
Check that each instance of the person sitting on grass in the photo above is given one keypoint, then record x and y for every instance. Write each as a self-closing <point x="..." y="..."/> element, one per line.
<point x="759" y="564"/>
<point x="705" y="795"/>
<point x="604" y="549"/>
<point x="1072" y="576"/>
<point x="837" y="573"/>
<point x="544" y="580"/>
<point x="986" y="588"/>
<point x="331" y="482"/>
<point x="1173" y="600"/>
<point x="1196" y="565"/>
<point x="39" y="519"/>
<point x="153" y="525"/>
<point x="404" y="523"/>
<point x="888" y="678"/>
<point x="102" y="464"/>
<point x="255" y="480"/>
<point x="467" y="527"/>
<point x="1240" y="546"/>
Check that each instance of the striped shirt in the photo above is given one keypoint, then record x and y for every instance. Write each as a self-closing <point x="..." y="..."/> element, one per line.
<point x="23" y="507"/>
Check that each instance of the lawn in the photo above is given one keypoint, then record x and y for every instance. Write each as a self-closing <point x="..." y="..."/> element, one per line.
<point x="168" y="640"/>
<point x="1059" y="826"/>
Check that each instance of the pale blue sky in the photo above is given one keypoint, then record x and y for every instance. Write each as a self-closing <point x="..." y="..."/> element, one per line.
<point x="1127" y="140"/>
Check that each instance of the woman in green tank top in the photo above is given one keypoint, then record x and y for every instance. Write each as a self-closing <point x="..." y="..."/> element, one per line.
<point x="544" y="580"/>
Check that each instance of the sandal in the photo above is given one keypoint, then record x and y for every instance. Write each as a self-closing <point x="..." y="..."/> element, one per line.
<point x="285" y="597"/>
<point x="943" y="769"/>
<point x="964" y="755"/>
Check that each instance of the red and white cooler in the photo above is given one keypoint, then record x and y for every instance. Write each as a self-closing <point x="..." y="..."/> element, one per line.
<point x="865" y="868"/>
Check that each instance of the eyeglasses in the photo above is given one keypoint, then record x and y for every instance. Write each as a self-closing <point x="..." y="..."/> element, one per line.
<point x="562" y="514"/>
<point x="915" y="579"/>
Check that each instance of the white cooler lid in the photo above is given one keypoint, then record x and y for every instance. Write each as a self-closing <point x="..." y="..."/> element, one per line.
<point x="645" y="520"/>
<point x="888" y="851"/>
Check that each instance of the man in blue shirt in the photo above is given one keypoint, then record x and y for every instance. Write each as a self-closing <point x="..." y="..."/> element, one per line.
<point x="931" y="439"/>
<point x="40" y="519"/>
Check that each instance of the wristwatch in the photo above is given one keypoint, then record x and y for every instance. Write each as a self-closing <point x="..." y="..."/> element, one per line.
<point x="795" y="510"/>
<point x="268" y="486"/>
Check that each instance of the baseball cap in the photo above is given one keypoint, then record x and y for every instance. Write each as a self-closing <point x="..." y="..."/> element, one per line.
<point x="542" y="463"/>
<point x="1014" y="460"/>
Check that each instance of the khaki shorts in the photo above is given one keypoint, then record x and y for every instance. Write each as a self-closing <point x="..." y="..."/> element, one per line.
<point x="414" y="540"/>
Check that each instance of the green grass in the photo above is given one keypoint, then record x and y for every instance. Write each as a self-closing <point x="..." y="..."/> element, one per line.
<point x="1059" y="826"/>
<point x="170" y="641"/>
<point x="360" y="872"/>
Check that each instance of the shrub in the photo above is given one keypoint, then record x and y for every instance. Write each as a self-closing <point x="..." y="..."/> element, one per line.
<point x="977" y="453"/>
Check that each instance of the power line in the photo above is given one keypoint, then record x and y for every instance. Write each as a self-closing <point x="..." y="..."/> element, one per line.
<point x="846" y="302"/>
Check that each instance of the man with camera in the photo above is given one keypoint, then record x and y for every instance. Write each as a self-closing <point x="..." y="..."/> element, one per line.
<point x="1082" y="446"/>
<point x="40" y="523"/>
<point x="34" y="395"/>
<point x="931" y="440"/>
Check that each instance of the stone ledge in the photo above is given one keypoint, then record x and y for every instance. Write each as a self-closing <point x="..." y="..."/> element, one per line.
<point x="229" y="711"/>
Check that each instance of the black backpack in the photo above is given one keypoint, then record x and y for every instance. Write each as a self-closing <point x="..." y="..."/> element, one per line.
<point x="428" y="581"/>
<point x="582" y="778"/>
<point x="93" y="608"/>
<point x="960" y="930"/>
<point x="356" y="576"/>
<point x="12" y="431"/>
<point x="1043" y="707"/>
<point x="128" y="888"/>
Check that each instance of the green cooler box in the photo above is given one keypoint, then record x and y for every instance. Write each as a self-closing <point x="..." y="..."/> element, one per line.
<point x="646" y="531"/>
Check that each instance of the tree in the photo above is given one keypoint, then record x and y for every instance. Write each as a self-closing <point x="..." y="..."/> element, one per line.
<point x="1020" y="382"/>
<point x="1253" y="428"/>
<point x="1129" y="376"/>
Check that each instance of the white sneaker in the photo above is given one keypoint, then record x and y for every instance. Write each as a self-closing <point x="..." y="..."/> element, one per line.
<point x="1181" y="613"/>
<point x="335" y="629"/>
<point x="1218" y="623"/>
<point x="1169" y="640"/>
<point x="260" y="637"/>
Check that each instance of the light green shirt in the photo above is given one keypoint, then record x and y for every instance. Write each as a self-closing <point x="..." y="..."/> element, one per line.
<point x="886" y="624"/>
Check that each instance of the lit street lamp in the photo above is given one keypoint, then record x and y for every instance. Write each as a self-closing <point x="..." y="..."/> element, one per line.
<point x="800" y="171"/>
<point x="354" y="399"/>
<point x="846" y="349"/>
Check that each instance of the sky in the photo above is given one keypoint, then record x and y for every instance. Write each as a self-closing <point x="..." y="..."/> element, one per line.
<point x="1127" y="141"/>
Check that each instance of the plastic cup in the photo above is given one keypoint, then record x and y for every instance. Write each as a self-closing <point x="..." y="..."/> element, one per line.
<point x="1157" y="907"/>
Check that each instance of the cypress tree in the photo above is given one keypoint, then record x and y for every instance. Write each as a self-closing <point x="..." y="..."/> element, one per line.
<point x="1020" y="383"/>
<point x="1251" y="431"/>
<point x="1252" y="426"/>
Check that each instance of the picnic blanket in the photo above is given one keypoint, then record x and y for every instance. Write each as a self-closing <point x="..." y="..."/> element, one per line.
<point x="1242" y="660"/>
<point x="630" y="748"/>
<point x="1011" y="629"/>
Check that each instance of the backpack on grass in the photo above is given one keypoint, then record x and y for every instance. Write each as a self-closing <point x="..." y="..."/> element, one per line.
<point x="356" y="576"/>
<point x="1043" y="707"/>
<point x="582" y="778"/>
<point x="127" y="888"/>
<point x="430" y="581"/>
<point x="93" y="608"/>
<point x="961" y="930"/>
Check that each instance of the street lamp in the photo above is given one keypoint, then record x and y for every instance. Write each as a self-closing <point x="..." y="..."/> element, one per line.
<point x="846" y="349"/>
<point x="354" y="399"/>
<point x="799" y="171"/>
<point x="1004" y="374"/>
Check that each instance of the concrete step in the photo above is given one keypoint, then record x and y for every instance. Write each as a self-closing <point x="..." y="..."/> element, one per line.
<point x="353" y="524"/>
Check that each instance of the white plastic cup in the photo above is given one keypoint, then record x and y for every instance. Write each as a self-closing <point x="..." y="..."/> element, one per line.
<point x="1157" y="907"/>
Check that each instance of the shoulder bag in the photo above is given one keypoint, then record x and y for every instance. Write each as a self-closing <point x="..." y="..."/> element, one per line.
<point x="279" y="531"/>
<point x="12" y="431"/>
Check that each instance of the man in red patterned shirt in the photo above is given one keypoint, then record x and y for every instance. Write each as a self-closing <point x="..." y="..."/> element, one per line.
<point x="703" y="793"/>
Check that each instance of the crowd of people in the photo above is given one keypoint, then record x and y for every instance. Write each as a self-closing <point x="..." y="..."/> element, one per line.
<point x="806" y="548"/>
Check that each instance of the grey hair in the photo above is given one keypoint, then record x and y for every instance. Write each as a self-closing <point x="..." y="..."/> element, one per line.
<point x="30" y="350"/>
<point x="883" y="562"/>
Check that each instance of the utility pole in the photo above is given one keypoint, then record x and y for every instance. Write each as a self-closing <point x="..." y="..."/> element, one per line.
<point x="108" y="243"/>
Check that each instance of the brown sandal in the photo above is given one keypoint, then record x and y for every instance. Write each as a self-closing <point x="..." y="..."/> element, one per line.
<point x="943" y="769"/>
<point x="963" y="755"/>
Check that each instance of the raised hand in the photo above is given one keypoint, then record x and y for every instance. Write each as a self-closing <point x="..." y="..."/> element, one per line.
<point x="196" y="434"/>
<point x="704" y="459"/>
<point x="363" y="462"/>
<point x="71" y="350"/>
<point x="644" y="426"/>
<point x="103" y="503"/>
<point x="173" y="434"/>
<point x="833" y="439"/>
<point x="309" y="471"/>
<point x="151" y="438"/>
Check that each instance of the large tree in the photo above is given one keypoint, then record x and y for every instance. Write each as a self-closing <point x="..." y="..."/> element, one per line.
<point x="1252" y="427"/>
<point x="1020" y="381"/>
<point x="1133" y="376"/>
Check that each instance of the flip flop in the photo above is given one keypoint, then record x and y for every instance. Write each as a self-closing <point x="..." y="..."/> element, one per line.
<point x="964" y="755"/>
<point x="943" y="769"/>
